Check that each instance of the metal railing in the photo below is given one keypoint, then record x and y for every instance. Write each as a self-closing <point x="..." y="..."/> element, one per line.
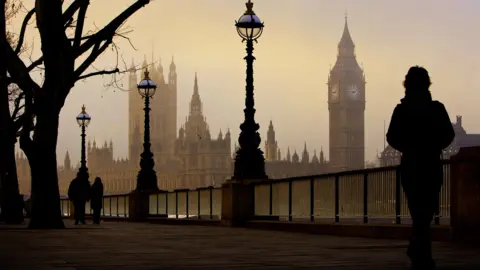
<point x="113" y="206"/>
<point x="363" y="196"/>
<point x="366" y="196"/>
<point x="201" y="203"/>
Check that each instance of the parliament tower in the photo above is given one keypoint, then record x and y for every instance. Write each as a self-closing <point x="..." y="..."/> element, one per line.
<point x="346" y="105"/>
<point x="163" y="114"/>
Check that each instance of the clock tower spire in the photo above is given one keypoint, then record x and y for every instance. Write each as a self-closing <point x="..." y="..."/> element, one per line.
<point x="346" y="105"/>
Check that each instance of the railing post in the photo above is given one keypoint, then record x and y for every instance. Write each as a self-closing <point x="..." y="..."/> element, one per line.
<point x="166" y="204"/>
<point x="398" y="196"/>
<point x="270" y="201"/>
<point x="290" y="200"/>
<point x="198" y="204"/>
<point x="252" y="192"/>
<point x="176" y="204"/>
<point x="125" y="207"/>
<point x="118" y="212"/>
<point x="103" y="206"/>
<point x="211" y="202"/>
<point x="337" y="198"/>
<point x="365" y="197"/>
<point x="110" y="205"/>
<point x="437" y="208"/>
<point x="158" y="206"/>
<point x="437" y="214"/>
<point x="312" y="200"/>
<point x="186" y="203"/>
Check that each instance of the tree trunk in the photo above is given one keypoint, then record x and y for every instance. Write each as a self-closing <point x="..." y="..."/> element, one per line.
<point x="42" y="158"/>
<point x="12" y="201"/>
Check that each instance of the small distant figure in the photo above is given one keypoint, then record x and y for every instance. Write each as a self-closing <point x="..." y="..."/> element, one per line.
<point x="79" y="193"/>
<point x="420" y="129"/>
<point x="96" y="199"/>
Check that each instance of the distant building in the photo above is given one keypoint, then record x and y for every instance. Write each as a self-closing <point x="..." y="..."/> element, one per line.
<point x="390" y="156"/>
<point x="346" y="106"/>
<point x="192" y="159"/>
<point x="189" y="157"/>
<point x="291" y="165"/>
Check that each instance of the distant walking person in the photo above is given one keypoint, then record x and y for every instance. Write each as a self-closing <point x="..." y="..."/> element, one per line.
<point x="78" y="193"/>
<point x="420" y="129"/>
<point x="96" y="199"/>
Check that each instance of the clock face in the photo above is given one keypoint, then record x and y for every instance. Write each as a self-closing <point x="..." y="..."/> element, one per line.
<point x="353" y="91"/>
<point x="334" y="93"/>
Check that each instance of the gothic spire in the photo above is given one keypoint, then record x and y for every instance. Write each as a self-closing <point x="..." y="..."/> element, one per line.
<point x="271" y="133"/>
<point x="173" y="67"/>
<point x="305" y="155"/>
<point x="195" y="85"/>
<point x="160" y="71"/>
<point x="144" y="64"/>
<point x="195" y="103"/>
<point x="346" y="45"/>
<point x="66" y="162"/>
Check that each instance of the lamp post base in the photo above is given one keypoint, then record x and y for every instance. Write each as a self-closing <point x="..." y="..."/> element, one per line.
<point x="249" y="165"/>
<point x="147" y="181"/>
<point x="139" y="205"/>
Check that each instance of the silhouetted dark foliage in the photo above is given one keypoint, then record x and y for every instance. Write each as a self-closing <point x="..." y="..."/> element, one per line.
<point x="420" y="129"/>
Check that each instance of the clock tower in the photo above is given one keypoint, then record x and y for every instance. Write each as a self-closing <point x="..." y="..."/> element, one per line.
<point x="346" y="106"/>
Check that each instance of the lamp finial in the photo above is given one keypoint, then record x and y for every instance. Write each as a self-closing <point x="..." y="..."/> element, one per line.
<point x="249" y="5"/>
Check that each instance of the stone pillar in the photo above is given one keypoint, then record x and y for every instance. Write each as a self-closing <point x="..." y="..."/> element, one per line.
<point x="138" y="206"/>
<point x="465" y="195"/>
<point x="237" y="203"/>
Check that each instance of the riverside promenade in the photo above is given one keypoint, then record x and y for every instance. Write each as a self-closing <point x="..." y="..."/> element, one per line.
<point x="123" y="245"/>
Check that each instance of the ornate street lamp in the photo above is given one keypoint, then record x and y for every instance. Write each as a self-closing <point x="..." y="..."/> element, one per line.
<point x="83" y="119"/>
<point x="249" y="160"/>
<point x="147" y="177"/>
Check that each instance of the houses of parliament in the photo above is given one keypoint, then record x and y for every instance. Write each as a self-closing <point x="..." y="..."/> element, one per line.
<point x="189" y="155"/>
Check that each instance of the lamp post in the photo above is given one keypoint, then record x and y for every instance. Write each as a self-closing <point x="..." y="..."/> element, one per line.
<point x="249" y="160"/>
<point x="147" y="177"/>
<point x="83" y="119"/>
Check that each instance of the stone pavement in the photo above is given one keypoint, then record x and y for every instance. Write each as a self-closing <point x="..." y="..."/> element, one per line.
<point x="152" y="246"/>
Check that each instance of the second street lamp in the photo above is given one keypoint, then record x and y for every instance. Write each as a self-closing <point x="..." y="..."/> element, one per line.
<point x="249" y="160"/>
<point x="147" y="177"/>
<point x="83" y="119"/>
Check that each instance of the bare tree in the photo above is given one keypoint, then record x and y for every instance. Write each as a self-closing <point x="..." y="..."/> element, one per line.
<point x="10" y="96"/>
<point x="43" y="103"/>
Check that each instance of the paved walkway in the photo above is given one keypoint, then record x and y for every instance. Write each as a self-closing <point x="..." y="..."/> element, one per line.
<point x="152" y="246"/>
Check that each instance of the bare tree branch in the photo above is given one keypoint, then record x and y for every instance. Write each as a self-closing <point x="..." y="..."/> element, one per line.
<point x="17" y="105"/>
<point x="96" y="73"/>
<point x="35" y="64"/>
<point x="96" y="51"/>
<point x="80" y="23"/>
<point x="19" y="72"/>
<point x="109" y="30"/>
<point x="23" y="30"/>
<point x="71" y="10"/>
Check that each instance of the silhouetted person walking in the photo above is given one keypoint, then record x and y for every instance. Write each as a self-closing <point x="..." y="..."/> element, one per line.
<point x="420" y="129"/>
<point x="96" y="199"/>
<point x="78" y="193"/>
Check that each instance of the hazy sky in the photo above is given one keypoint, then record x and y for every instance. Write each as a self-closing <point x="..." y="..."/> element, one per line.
<point x="294" y="55"/>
